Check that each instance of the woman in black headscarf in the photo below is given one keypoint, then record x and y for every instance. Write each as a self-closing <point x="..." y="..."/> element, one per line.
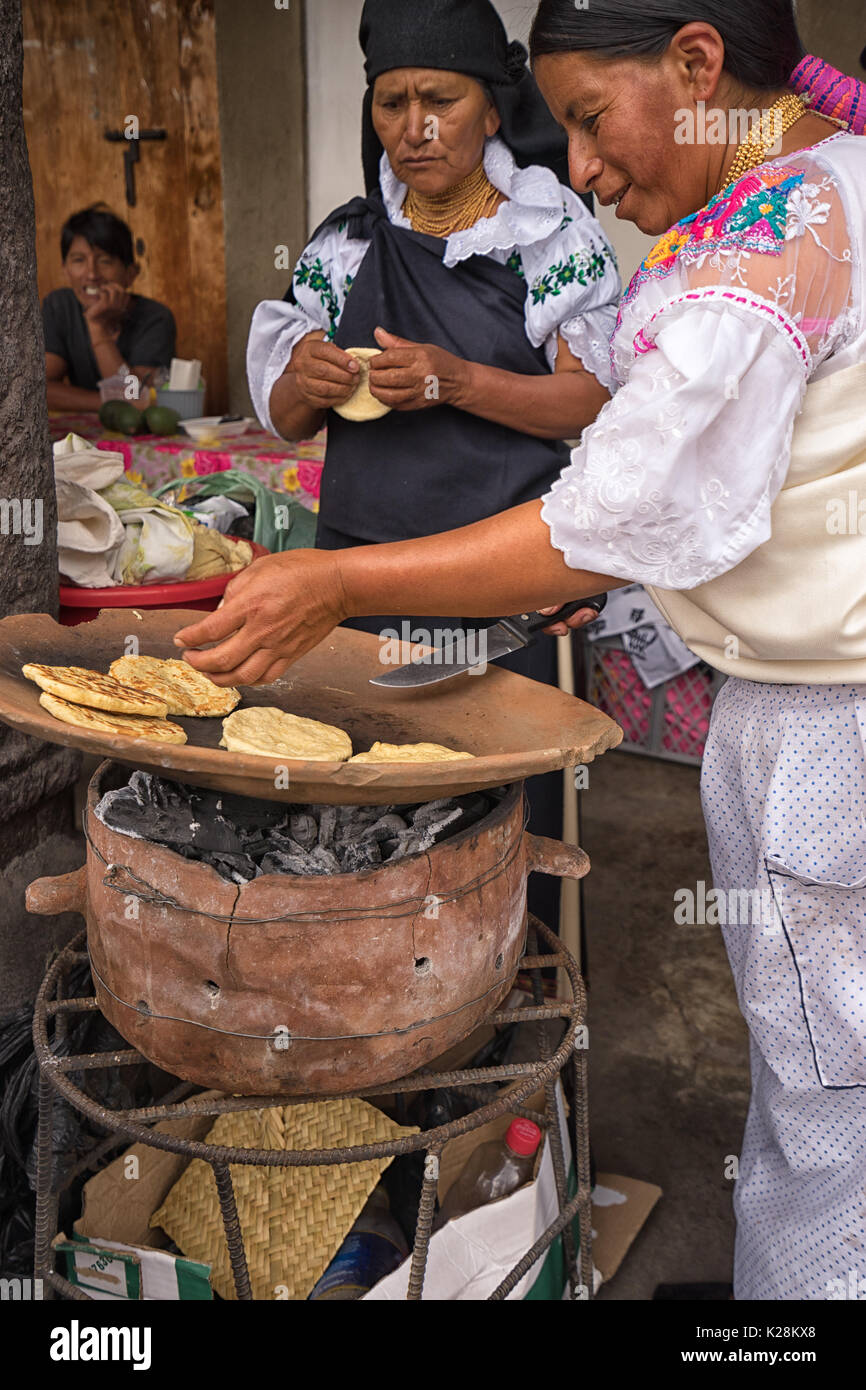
<point x="485" y="280"/>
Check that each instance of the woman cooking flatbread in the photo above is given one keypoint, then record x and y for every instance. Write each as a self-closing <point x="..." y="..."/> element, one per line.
<point x="487" y="290"/>
<point x="722" y="473"/>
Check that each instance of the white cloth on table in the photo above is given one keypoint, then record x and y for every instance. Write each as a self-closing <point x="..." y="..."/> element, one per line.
<point x="543" y="230"/>
<point x="90" y="534"/>
<point x="783" y="790"/>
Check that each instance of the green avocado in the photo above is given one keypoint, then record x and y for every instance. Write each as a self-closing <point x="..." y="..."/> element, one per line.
<point x="161" y="420"/>
<point x="125" y="418"/>
<point x="111" y="412"/>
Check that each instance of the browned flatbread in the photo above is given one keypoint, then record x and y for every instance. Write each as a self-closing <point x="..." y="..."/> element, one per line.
<point x="79" y="686"/>
<point x="104" y="722"/>
<point x="184" y="690"/>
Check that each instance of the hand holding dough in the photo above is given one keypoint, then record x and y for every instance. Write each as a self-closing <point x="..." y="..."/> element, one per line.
<point x="362" y="404"/>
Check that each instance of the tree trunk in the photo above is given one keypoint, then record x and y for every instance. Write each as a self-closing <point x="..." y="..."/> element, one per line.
<point x="30" y="771"/>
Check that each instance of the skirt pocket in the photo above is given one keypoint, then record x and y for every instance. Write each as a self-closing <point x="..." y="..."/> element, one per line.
<point x="825" y="926"/>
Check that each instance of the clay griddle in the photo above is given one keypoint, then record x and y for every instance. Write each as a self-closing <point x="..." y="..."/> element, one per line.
<point x="515" y="727"/>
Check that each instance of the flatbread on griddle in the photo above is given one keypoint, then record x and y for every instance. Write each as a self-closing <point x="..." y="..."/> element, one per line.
<point x="104" y="722"/>
<point x="362" y="404"/>
<point x="80" y="686"/>
<point x="276" y="733"/>
<point x="184" y="690"/>
<point x="409" y="753"/>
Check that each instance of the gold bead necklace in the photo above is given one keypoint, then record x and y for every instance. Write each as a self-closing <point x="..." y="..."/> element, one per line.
<point x="441" y="214"/>
<point x="770" y="128"/>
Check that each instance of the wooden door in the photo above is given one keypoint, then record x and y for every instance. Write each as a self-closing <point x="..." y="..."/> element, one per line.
<point x="88" y="66"/>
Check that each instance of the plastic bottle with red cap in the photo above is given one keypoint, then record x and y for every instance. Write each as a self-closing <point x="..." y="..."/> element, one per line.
<point x="494" y="1170"/>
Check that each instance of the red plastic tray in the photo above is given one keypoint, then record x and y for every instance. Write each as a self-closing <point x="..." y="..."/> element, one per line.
<point x="78" y="605"/>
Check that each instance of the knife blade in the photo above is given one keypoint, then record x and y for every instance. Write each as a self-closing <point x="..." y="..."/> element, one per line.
<point x="488" y="644"/>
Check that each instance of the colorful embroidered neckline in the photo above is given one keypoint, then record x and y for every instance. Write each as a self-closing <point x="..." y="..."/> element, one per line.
<point x="751" y="216"/>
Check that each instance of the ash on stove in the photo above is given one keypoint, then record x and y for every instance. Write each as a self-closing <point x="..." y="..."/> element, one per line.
<point x="243" y="839"/>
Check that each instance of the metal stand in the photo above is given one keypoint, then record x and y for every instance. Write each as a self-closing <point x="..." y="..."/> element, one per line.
<point x="511" y="1085"/>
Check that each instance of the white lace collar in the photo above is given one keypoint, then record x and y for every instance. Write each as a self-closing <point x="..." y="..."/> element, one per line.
<point x="533" y="211"/>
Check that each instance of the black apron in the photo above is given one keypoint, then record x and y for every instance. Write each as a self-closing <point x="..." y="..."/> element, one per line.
<point x="415" y="473"/>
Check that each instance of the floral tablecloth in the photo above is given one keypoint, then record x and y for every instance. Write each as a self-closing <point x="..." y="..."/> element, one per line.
<point x="152" y="460"/>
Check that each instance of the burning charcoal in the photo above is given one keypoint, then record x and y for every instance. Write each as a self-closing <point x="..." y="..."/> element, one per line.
<point x="279" y="863"/>
<point x="119" y="811"/>
<point x="303" y="829"/>
<point x="323" y="861"/>
<point x="247" y="814"/>
<point x="357" y="856"/>
<point x="237" y="867"/>
<point x="358" y="815"/>
<point x="440" y="829"/>
<point x="408" y="843"/>
<point x="386" y="828"/>
<point x="280" y="843"/>
<point x="431" y="810"/>
<point x="327" y="825"/>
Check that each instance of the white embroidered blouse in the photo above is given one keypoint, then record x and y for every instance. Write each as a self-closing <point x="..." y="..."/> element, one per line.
<point x="543" y="231"/>
<point x="731" y="315"/>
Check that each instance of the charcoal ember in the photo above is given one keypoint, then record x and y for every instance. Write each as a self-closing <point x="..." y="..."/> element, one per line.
<point x="323" y="861"/>
<point x="303" y="829"/>
<point x="279" y="862"/>
<point x="431" y="810"/>
<point x="358" y="855"/>
<point x="283" y="844"/>
<point x="357" y="815"/>
<point x="388" y="827"/>
<point x="247" y="814"/>
<point x="256" y="846"/>
<point x="237" y="867"/>
<point x="411" y="842"/>
<point x="327" y="825"/>
<point x="474" y="807"/>
<point x="120" y="811"/>
<point x="242" y="839"/>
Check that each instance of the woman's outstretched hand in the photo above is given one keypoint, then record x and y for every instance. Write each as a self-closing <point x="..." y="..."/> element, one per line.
<point x="273" y="612"/>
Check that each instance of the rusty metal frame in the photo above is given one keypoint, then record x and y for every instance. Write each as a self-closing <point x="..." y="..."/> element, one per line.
<point x="521" y="1080"/>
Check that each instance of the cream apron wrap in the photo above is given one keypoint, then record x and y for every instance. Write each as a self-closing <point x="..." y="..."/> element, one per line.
<point x="794" y="611"/>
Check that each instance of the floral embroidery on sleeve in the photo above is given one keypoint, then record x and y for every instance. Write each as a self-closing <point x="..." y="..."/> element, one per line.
<point x="316" y="278"/>
<point x="584" y="266"/>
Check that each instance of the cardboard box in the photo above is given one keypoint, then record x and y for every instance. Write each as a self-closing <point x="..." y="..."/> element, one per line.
<point x="114" y="1252"/>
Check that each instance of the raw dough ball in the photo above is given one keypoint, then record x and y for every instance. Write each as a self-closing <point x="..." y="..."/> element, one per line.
<point x="362" y="404"/>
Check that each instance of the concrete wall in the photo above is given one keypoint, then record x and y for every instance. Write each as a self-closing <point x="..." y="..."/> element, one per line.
<point x="262" y="99"/>
<point x="835" y="31"/>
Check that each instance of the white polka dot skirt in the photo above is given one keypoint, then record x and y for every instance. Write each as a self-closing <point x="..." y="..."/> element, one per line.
<point x="784" y="794"/>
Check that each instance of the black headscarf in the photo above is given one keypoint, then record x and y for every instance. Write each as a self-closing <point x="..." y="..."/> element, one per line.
<point x="460" y="36"/>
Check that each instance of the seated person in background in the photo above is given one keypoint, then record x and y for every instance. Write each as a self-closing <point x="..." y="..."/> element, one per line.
<point x="96" y="327"/>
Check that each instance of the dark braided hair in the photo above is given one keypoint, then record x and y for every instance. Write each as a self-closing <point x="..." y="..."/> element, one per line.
<point x="762" y="45"/>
